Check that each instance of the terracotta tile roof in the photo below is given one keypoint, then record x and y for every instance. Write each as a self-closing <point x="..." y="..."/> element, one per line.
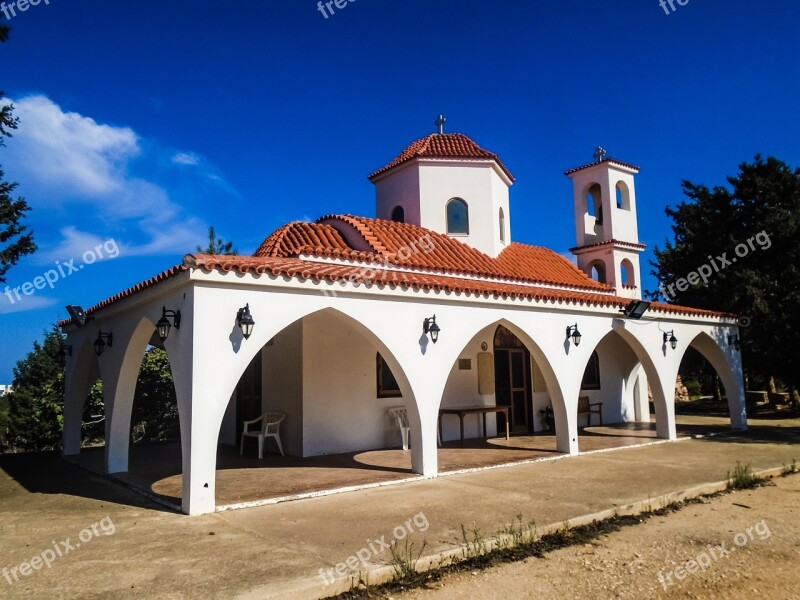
<point x="298" y="238"/>
<point x="302" y="269"/>
<point x="407" y="245"/>
<point x="443" y="145"/>
<point x="148" y="283"/>
<point x="608" y="160"/>
<point x="295" y="267"/>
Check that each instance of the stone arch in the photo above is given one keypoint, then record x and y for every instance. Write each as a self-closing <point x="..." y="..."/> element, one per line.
<point x="663" y="402"/>
<point x="712" y="350"/>
<point x="627" y="273"/>
<point x="597" y="271"/>
<point x="82" y="371"/>
<point x="122" y="376"/>
<point x="537" y="353"/>
<point x="623" y="195"/>
<point x="252" y="350"/>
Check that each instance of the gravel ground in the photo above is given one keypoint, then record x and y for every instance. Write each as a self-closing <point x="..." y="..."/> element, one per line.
<point x="628" y="563"/>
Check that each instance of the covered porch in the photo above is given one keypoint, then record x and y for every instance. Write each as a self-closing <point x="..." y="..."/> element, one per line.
<point x="241" y="481"/>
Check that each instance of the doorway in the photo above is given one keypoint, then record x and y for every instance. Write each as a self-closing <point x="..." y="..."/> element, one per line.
<point x="512" y="368"/>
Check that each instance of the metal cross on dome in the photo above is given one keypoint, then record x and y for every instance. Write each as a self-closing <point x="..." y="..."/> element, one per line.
<point x="440" y="123"/>
<point x="600" y="153"/>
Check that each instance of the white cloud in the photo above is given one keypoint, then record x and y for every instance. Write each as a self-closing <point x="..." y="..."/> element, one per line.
<point x="72" y="168"/>
<point x="25" y="304"/>
<point x="67" y="153"/>
<point x="186" y="159"/>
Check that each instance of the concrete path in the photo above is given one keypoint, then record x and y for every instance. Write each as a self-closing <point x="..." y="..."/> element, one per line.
<point x="278" y="551"/>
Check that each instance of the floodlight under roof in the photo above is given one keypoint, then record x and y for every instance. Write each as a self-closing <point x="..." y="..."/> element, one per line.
<point x="636" y="309"/>
<point x="78" y="315"/>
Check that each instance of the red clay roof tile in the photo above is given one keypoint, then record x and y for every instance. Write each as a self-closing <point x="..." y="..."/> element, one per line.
<point x="407" y="245"/>
<point x="608" y="160"/>
<point x="443" y="145"/>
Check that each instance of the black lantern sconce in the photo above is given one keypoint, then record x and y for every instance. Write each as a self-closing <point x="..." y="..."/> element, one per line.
<point x="163" y="326"/>
<point x="735" y="341"/>
<point x="669" y="337"/>
<point x="572" y="332"/>
<point x="103" y="340"/>
<point x="429" y="326"/>
<point x="245" y="321"/>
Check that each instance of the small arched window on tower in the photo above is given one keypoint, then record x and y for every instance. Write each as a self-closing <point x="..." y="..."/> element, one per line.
<point x="623" y="196"/>
<point x="398" y="214"/>
<point x="594" y="203"/>
<point x="598" y="272"/>
<point x="502" y="226"/>
<point x="457" y="217"/>
<point x="627" y="273"/>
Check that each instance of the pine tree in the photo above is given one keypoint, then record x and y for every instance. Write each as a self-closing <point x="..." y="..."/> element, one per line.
<point x="14" y="241"/>
<point x="759" y="213"/>
<point x="37" y="397"/>
<point x="216" y="245"/>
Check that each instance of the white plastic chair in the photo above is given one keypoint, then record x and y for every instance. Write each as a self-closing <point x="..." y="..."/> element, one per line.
<point x="270" y="428"/>
<point x="400" y="417"/>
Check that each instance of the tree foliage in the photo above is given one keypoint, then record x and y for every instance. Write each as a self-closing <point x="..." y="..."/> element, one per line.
<point x="155" y="406"/>
<point x="760" y="209"/>
<point x="35" y="405"/>
<point x="15" y="241"/>
<point x="216" y="245"/>
<point x="36" y="400"/>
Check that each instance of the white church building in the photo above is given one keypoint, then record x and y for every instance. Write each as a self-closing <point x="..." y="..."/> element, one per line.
<point x="428" y="305"/>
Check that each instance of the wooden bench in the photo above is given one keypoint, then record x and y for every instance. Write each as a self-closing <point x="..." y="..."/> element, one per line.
<point x="587" y="408"/>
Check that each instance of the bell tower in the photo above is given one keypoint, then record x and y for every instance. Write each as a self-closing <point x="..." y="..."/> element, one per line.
<point x="606" y="227"/>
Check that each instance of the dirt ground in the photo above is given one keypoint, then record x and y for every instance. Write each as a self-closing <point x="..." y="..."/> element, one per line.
<point x="628" y="563"/>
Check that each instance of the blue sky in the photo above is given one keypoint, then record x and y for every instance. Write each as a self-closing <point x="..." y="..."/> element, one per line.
<point x="145" y="122"/>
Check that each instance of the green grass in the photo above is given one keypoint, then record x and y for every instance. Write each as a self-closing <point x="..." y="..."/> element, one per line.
<point x="742" y="478"/>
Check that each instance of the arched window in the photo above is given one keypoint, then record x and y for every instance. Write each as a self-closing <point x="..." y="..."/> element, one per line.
<point x="594" y="203"/>
<point x="627" y="273"/>
<point x="623" y="196"/>
<point x="591" y="377"/>
<point x="502" y="226"/>
<point x="398" y="214"/>
<point x="457" y="217"/>
<point x="598" y="272"/>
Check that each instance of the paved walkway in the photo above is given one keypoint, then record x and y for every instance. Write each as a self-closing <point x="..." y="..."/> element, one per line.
<point x="278" y="551"/>
<point x="246" y="479"/>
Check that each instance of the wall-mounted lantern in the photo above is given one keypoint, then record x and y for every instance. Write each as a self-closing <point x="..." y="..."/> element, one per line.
<point x="245" y="321"/>
<point x="103" y="340"/>
<point x="572" y="332"/>
<point x="669" y="337"/>
<point x="163" y="326"/>
<point x="429" y="326"/>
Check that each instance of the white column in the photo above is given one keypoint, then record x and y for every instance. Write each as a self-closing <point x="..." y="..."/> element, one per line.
<point x="77" y="384"/>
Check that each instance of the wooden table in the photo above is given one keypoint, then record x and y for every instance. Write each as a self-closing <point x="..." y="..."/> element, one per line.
<point x="461" y="411"/>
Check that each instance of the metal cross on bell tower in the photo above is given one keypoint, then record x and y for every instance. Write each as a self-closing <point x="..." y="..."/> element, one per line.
<point x="440" y="123"/>
<point x="600" y="154"/>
